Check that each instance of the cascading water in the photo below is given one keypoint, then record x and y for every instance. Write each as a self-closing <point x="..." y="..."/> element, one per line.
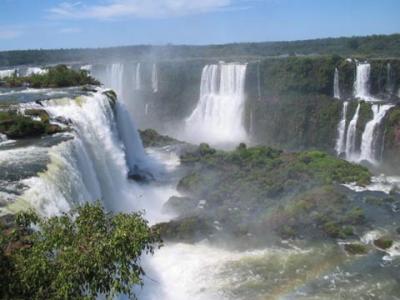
<point x="98" y="156"/>
<point x="217" y="117"/>
<point x="7" y="73"/>
<point x="154" y="79"/>
<point x="336" y="88"/>
<point x="361" y="83"/>
<point x="341" y="139"/>
<point x="115" y="78"/>
<point x="369" y="140"/>
<point x="138" y="79"/>
<point x="87" y="68"/>
<point x="35" y="70"/>
<point x="351" y="136"/>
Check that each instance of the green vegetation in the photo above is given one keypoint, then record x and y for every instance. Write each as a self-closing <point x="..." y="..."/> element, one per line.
<point x="253" y="192"/>
<point x="356" y="249"/>
<point x="16" y="125"/>
<point x="383" y="243"/>
<point x="367" y="46"/>
<point x="58" y="76"/>
<point x="392" y="138"/>
<point x="79" y="255"/>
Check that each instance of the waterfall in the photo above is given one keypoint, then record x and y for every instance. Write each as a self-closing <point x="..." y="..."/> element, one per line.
<point x="217" y="118"/>
<point x="351" y="135"/>
<point x="369" y="140"/>
<point x="146" y="109"/>
<point x="115" y="78"/>
<point x="7" y="73"/>
<point x="89" y="167"/>
<point x="136" y="158"/>
<point x="336" y="89"/>
<point x="361" y="83"/>
<point x="35" y="70"/>
<point x="341" y="139"/>
<point x="154" y="79"/>
<point x="87" y="68"/>
<point x="138" y="83"/>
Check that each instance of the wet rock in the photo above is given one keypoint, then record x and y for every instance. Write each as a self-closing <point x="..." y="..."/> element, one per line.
<point x="383" y="243"/>
<point x="41" y="113"/>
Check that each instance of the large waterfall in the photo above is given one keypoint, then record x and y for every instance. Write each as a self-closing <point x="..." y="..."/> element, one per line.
<point x="351" y="135"/>
<point x="218" y="115"/>
<point x="89" y="167"/>
<point x="370" y="138"/>
<point x="336" y="88"/>
<point x="341" y="139"/>
<point x="361" y="83"/>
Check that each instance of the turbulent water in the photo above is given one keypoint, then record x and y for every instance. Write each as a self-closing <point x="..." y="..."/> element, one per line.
<point x="218" y="116"/>
<point x="35" y="70"/>
<point x="336" y="88"/>
<point x="340" y="146"/>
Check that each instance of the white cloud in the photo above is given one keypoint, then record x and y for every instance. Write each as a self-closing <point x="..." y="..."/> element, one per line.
<point x="9" y="33"/>
<point x="114" y="9"/>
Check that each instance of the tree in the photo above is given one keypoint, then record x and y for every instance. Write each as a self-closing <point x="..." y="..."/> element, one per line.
<point x="79" y="255"/>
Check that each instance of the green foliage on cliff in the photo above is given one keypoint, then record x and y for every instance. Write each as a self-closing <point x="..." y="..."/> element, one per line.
<point x="16" y="125"/>
<point x="296" y="122"/>
<point x="299" y="74"/>
<point x="260" y="190"/>
<point x="78" y="255"/>
<point x="59" y="76"/>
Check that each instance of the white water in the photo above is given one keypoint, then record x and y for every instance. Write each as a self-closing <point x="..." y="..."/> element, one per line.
<point x="381" y="183"/>
<point x="138" y="79"/>
<point x="218" y="116"/>
<point x="351" y="136"/>
<point x="369" y="138"/>
<point x="154" y="79"/>
<point x="361" y="83"/>
<point x="7" y="73"/>
<point x="336" y="88"/>
<point x="341" y="139"/>
<point x="115" y="78"/>
<point x="87" y="68"/>
<point x="35" y="70"/>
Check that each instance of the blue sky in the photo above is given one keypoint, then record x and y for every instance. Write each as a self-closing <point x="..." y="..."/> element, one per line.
<point x="27" y="24"/>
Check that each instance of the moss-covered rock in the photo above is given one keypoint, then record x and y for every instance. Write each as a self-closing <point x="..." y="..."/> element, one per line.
<point x="383" y="243"/>
<point x="189" y="229"/>
<point x="17" y="126"/>
<point x="152" y="138"/>
<point x="356" y="249"/>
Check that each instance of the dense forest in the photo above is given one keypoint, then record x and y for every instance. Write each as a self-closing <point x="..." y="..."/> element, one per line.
<point x="369" y="46"/>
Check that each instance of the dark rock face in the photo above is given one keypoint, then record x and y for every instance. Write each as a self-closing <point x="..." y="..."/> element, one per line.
<point x="139" y="175"/>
